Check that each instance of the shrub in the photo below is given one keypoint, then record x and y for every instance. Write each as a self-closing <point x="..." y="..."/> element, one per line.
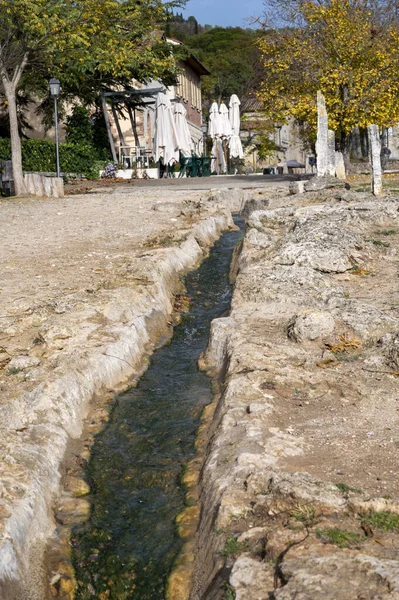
<point x="39" y="155"/>
<point x="78" y="127"/>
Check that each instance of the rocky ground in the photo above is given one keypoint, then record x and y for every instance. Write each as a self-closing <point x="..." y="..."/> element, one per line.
<point x="299" y="489"/>
<point x="300" y="495"/>
<point x="87" y="289"/>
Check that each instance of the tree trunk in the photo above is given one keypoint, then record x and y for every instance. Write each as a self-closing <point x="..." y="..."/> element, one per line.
<point x="16" y="150"/>
<point x="344" y="146"/>
<point x="345" y="141"/>
<point x="108" y="126"/>
<point x="133" y="122"/>
<point x="10" y="89"/>
<point x="118" y="127"/>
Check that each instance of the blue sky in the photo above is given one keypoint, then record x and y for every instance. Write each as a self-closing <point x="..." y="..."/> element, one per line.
<point x="223" y="12"/>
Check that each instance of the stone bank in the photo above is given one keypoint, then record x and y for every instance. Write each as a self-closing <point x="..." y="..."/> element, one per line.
<point x="87" y="292"/>
<point x="299" y="489"/>
<point x="299" y="485"/>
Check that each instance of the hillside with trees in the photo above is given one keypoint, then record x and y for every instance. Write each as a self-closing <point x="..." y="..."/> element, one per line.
<point x="230" y="53"/>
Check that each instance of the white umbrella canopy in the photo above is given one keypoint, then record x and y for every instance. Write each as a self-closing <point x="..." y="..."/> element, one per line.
<point x="166" y="144"/>
<point x="235" y="147"/>
<point x="225" y="127"/>
<point x="235" y="144"/>
<point x="218" y="162"/>
<point x="234" y="114"/>
<point x="214" y="121"/>
<point x="182" y="130"/>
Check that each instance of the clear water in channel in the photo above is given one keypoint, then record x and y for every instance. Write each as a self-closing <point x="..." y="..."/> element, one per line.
<point x="127" y="548"/>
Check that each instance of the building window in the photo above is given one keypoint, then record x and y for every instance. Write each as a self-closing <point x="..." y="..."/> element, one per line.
<point x="185" y="88"/>
<point x="197" y="89"/>
<point x="179" y="86"/>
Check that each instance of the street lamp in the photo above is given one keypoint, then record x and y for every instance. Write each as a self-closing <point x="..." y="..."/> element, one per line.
<point x="204" y="128"/>
<point x="55" y="88"/>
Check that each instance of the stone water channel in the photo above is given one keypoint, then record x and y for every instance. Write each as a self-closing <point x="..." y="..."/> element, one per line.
<point x="128" y="547"/>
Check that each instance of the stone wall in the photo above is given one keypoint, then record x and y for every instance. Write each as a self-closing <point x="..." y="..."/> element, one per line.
<point x="41" y="185"/>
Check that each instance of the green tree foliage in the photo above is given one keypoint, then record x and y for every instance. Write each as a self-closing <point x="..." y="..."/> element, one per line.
<point x="348" y="49"/>
<point x="78" y="128"/>
<point x="100" y="135"/>
<point x="84" y="42"/>
<point x="232" y="56"/>
<point x="85" y="128"/>
<point x="179" y="27"/>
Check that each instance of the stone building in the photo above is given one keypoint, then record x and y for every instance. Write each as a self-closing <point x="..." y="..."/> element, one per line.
<point x="132" y="115"/>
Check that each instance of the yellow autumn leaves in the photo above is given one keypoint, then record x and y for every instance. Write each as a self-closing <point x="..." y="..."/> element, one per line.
<point x="341" y="48"/>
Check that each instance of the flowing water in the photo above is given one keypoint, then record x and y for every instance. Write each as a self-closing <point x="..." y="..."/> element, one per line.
<point x="127" y="548"/>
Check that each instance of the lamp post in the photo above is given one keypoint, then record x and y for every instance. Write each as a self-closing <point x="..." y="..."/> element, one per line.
<point x="55" y="88"/>
<point x="204" y="128"/>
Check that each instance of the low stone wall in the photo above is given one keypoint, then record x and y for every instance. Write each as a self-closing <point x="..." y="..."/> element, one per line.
<point x="41" y="185"/>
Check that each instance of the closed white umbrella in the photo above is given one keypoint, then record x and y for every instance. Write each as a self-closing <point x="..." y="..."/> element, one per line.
<point x="218" y="162"/>
<point x="235" y="147"/>
<point x="213" y="155"/>
<point x="214" y="121"/>
<point x="235" y="144"/>
<point x="225" y="127"/>
<point x="234" y="114"/>
<point x="166" y="144"/>
<point x="183" y="133"/>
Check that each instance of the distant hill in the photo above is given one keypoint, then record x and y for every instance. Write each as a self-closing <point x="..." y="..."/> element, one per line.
<point x="230" y="53"/>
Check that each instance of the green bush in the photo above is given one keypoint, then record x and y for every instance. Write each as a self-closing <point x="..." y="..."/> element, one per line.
<point x="39" y="155"/>
<point x="78" y="128"/>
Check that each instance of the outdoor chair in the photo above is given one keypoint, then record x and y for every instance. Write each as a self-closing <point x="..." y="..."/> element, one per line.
<point x="206" y="166"/>
<point x="196" y="166"/>
<point x="170" y="171"/>
<point x="186" y="165"/>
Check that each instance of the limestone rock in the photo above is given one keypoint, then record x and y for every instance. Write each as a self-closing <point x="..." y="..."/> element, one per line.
<point x="331" y="153"/>
<point x="251" y="578"/>
<point x="168" y="207"/>
<point x="326" y="260"/>
<point x="311" y="325"/>
<point x="340" y="171"/>
<point x="390" y="345"/>
<point x="215" y="355"/>
<point x="76" y="486"/>
<point x="23" y="362"/>
<point x="297" y="187"/>
<point x="254" y="204"/>
<point x="322" y="136"/>
<point x="375" y="159"/>
<point x="259" y="239"/>
<point x="320" y="183"/>
<point x="339" y="576"/>
<point x="367" y="321"/>
<point x="40" y="185"/>
<point x="72" y="511"/>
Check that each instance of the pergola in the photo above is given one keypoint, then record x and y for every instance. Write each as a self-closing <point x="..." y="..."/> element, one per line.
<point x="132" y="99"/>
